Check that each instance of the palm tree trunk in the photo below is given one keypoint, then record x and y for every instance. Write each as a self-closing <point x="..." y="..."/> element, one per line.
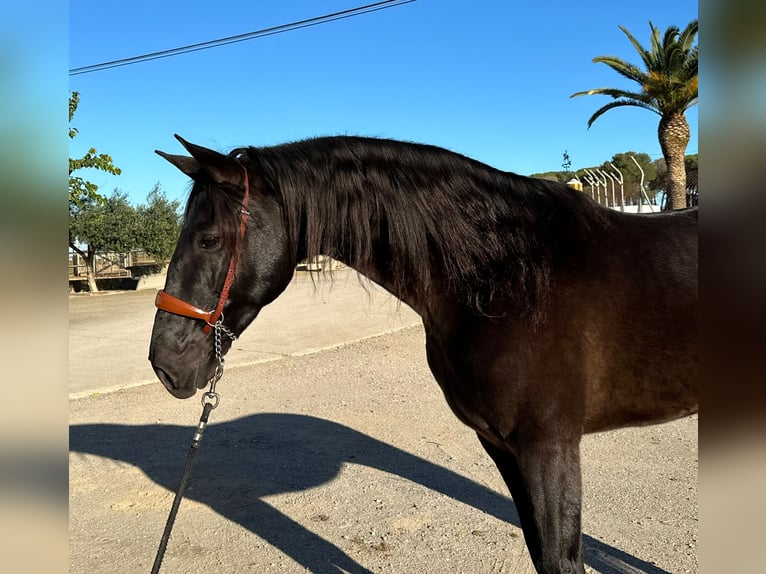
<point x="674" y="136"/>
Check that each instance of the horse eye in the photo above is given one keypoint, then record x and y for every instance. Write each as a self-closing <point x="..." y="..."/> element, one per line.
<point x="210" y="241"/>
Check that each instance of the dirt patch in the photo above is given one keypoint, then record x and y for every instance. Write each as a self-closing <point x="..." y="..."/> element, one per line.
<point x="349" y="460"/>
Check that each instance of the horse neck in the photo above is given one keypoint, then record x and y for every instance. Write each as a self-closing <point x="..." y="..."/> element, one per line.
<point x="337" y="221"/>
<point x="431" y="228"/>
<point x="366" y="250"/>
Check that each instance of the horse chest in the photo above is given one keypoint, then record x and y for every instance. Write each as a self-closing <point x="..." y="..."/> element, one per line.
<point x="471" y="387"/>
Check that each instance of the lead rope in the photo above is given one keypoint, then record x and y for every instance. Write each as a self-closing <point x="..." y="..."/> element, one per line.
<point x="210" y="401"/>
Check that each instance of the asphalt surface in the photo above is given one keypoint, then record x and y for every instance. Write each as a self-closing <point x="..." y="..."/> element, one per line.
<point x="109" y="332"/>
<point x="332" y="451"/>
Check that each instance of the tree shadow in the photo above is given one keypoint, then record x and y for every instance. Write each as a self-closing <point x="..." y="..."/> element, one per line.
<point x="252" y="457"/>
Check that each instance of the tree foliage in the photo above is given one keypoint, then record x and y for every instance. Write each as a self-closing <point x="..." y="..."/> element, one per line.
<point x="655" y="176"/>
<point x="158" y="225"/>
<point x="80" y="189"/>
<point x="660" y="181"/>
<point x="113" y="225"/>
<point x="630" y="171"/>
<point x="631" y="174"/>
<point x="107" y="225"/>
<point x="620" y="166"/>
<point x="560" y="176"/>
<point x="668" y="86"/>
<point x="100" y="225"/>
<point x="668" y="82"/>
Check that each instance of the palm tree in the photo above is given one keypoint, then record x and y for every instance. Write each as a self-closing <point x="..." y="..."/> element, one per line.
<point x="668" y="88"/>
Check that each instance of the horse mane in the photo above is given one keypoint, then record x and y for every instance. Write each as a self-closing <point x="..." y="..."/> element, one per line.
<point x="425" y="210"/>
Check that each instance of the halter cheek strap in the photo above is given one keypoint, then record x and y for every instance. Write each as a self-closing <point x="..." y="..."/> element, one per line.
<point x="244" y="213"/>
<point x="174" y="305"/>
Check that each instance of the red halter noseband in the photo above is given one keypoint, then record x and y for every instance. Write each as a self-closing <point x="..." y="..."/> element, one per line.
<point x="174" y="305"/>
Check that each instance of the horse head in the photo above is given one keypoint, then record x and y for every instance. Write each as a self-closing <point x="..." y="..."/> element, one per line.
<point x="231" y="259"/>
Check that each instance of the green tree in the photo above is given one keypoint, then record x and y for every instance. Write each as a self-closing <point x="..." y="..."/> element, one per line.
<point x="668" y="87"/>
<point x="100" y="226"/>
<point x="80" y="189"/>
<point x="560" y="176"/>
<point x="692" y="179"/>
<point x="658" y="183"/>
<point x="85" y="203"/>
<point x="159" y="224"/>
<point x="632" y="175"/>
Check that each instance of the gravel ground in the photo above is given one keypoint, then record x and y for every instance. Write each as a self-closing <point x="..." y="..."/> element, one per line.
<point x="348" y="460"/>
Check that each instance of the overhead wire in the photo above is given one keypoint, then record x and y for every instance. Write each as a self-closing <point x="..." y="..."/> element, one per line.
<point x="315" y="21"/>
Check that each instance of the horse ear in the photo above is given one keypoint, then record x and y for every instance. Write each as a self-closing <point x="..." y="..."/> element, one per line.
<point x="186" y="164"/>
<point x="217" y="166"/>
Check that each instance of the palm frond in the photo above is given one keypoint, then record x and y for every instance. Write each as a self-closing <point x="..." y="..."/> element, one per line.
<point x="621" y="103"/>
<point x="669" y="81"/>
<point x="690" y="67"/>
<point x="646" y="56"/>
<point x="615" y="93"/>
<point x="689" y="34"/>
<point x="688" y="93"/>
<point x="669" y="39"/>
<point x="623" y="68"/>
<point x="657" y="47"/>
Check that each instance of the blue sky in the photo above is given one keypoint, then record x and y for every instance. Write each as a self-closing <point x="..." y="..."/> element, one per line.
<point x="488" y="79"/>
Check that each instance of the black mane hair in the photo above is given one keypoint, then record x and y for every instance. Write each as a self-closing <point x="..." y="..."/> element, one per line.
<point x="484" y="231"/>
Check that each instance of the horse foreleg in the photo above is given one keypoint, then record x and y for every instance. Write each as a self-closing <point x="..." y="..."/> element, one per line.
<point x="544" y="480"/>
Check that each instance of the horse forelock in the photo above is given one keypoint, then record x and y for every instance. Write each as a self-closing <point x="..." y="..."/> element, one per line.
<point x="428" y="210"/>
<point x="225" y="206"/>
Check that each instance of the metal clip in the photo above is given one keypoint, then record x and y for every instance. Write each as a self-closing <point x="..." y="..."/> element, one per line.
<point x="211" y="398"/>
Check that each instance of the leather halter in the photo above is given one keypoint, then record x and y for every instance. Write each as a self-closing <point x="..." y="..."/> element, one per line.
<point x="177" y="306"/>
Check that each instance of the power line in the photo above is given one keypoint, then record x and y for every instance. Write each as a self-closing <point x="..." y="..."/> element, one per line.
<point x="343" y="14"/>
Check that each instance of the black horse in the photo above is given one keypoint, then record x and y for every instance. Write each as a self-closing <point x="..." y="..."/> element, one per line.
<point x="546" y="316"/>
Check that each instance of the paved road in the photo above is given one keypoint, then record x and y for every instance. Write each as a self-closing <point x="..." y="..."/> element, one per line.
<point x="109" y="333"/>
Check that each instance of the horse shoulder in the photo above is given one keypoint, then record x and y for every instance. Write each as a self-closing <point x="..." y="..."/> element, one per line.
<point x="503" y="376"/>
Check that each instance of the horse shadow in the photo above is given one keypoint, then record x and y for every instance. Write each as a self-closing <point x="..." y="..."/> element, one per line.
<point x="246" y="459"/>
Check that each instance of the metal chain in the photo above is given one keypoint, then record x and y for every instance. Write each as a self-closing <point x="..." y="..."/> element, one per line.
<point x="211" y="396"/>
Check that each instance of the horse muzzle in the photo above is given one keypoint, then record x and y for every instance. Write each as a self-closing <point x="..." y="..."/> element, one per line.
<point x="182" y="384"/>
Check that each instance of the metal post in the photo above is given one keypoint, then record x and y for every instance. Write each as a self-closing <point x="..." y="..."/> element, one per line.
<point x="589" y="179"/>
<point x="602" y="181"/>
<point x="611" y="179"/>
<point x="597" y="180"/>
<point x="641" y="188"/>
<point x="621" y="181"/>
